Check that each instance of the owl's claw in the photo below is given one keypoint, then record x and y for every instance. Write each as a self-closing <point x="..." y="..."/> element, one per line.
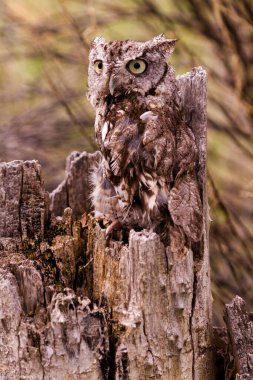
<point x="113" y="226"/>
<point x="148" y="116"/>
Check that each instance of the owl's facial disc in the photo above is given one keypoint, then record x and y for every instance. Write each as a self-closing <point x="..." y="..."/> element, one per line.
<point x="127" y="68"/>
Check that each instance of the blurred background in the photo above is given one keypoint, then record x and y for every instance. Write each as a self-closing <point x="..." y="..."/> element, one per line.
<point x="45" y="114"/>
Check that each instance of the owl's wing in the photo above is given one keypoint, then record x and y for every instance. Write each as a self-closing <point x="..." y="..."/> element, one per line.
<point x="103" y="196"/>
<point x="184" y="201"/>
<point x="185" y="205"/>
<point x="186" y="149"/>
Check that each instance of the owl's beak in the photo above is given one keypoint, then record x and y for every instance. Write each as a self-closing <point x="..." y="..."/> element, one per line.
<point x="114" y="84"/>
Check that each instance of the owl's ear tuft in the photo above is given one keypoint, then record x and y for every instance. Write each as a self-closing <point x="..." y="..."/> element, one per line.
<point x="160" y="37"/>
<point x="168" y="46"/>
<point x="163" y="45"/>
<point x="97" y="41"/>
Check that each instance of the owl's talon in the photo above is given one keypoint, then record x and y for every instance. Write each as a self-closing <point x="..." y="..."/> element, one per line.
<point x="113" y="226"/>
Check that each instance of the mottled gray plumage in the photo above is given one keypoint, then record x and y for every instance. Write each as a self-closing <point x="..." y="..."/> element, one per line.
<point x="147" y="177"/>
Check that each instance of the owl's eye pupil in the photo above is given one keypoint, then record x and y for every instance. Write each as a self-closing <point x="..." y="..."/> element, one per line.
<point x="137" y="65"/>
<point x="100" y="65"/>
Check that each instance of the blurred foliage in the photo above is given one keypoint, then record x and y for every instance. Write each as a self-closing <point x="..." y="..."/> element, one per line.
<point x="45" y="115"/>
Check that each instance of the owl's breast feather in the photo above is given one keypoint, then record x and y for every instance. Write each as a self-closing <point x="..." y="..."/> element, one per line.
<point x="104" y="130"/>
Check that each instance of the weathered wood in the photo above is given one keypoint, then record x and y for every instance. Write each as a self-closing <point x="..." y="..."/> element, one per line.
<point x="74" y="191"/>
<point x="60" y="342"/>
<point x="193" y="88"/>
<point x="149" y="292"/>
<point x="240" y="331"/>
<point x="23" y="202"/>
<point x="46" y="332"/>
<point x="150" y="310"/>
<point x="233" y="344"/>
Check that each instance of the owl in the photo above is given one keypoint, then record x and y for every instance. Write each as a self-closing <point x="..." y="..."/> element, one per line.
<point x="147" y="176"/>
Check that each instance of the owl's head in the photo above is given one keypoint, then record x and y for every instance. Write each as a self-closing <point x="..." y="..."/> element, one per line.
<point x="122" y="67"/>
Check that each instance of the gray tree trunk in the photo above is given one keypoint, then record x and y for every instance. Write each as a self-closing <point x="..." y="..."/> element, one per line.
<point x="75" y="305"/>
<point x="233" y="344"/>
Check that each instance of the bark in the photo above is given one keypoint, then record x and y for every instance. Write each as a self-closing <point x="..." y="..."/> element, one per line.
<point x="240" y="332"/>
<point x="46" y="330"/>
<point x="75" y="305"/>
<point x="74" y="190"/>
<point x="234" y="343"/>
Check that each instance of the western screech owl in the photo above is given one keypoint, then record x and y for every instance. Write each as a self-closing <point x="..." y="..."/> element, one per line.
<point x="147" y="176"/>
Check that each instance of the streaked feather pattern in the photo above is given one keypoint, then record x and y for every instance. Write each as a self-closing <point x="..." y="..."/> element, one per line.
<point x="147" y="176"/>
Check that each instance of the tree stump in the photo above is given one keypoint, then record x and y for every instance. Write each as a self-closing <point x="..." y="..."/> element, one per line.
<point x="75" y="305"/>
<point x="240" y="334"/>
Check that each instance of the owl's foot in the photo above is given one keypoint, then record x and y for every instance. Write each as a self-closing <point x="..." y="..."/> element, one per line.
<point x="113" y="226"/>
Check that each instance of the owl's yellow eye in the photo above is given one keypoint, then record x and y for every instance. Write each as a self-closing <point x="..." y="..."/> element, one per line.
<point x="98" y="66"/>
<point x="137" y="66"/>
